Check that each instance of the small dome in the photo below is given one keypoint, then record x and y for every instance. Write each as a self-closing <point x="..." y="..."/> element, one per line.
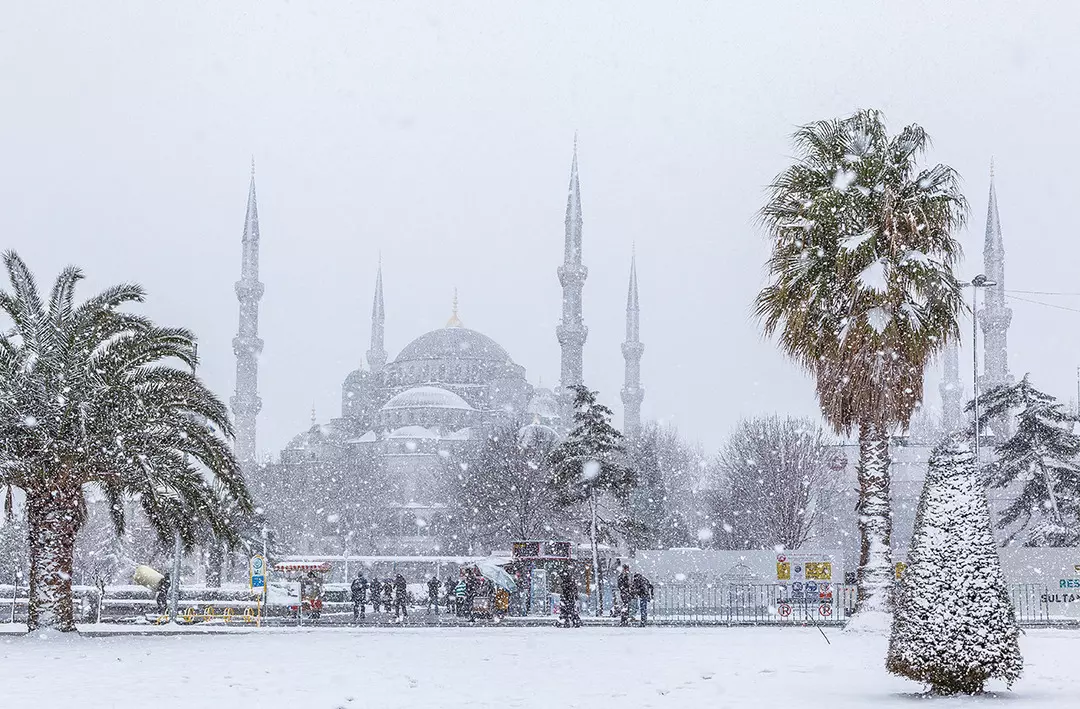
<point x="537" y="434"/>
<point x="543" y="404"/>
<point x="427" y="397"/>
<point x="451" y="343"/>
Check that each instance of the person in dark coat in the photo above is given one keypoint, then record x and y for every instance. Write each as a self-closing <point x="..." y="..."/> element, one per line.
<point x="433" y="594"/>
<point x="388" y="594"/>
<point x="472" y="586"/>
<point x="448" y="599"/>
<point x="568" y="615"/>
<point x="401" y="594"/>
<point x="162" y="597"/>
<point x="358" y="589"/>
<point x="625" y="595"/>
<point x="643" y="592"/>
<point x="374" y="590"/>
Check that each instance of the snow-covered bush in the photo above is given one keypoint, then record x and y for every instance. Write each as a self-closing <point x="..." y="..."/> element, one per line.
<point x="954" y="626"/>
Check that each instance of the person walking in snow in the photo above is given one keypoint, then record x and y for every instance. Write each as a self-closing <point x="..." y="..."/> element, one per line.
<point x="643" y="592"/>
<point x="358" y="589"/>
<point x="433" y="594"/>
<point x="625" y="595"/>
<point x="388" y="594"/>
<point x="448" y="594"/>
<point x="568" y="615"/>
<point x="459" y="594"/>
<point x="401" y="594"/>
<point x="375" y="589"/>
<point x="472" y="586"/>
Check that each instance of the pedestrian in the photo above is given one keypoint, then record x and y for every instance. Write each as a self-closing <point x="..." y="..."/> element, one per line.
<point x="568" y="615"/>
<point x="448" y="598"/>
<point x="162" y="597"/>
<point x="358" y="590"/>
<point x="459" y="594"/>
<point x="643" y="591"/>
<point x="401" y="594"/>
<point x="376" y="588"/>
<point x="471" y="588"/>
<point x="625" y="593"/>
<point x="388" y="594"/>
<point x="433" y="594"/>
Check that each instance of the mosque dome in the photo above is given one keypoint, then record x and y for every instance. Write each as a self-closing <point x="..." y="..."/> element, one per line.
<point x="451" y="343"/>
<point x="543" y="404"/>
<point x="427" y="397"/>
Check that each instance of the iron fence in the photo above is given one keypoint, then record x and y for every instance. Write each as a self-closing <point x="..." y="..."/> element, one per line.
<point x="687" y="603"/>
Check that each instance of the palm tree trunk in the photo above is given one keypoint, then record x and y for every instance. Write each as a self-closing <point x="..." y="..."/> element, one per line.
<point x="52" y="517"/>
<point x="875" y="575"/>
<point x="215" y="562"/>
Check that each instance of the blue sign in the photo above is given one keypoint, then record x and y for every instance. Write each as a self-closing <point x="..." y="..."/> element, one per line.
<point x="258" y="581"/>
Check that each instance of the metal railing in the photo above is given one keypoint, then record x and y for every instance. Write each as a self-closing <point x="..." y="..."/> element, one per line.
<point x="689" y="603"/>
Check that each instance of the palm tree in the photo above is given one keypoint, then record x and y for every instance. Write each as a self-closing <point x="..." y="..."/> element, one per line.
<point x="862" y="293"/>
<point x="87" y="397"/>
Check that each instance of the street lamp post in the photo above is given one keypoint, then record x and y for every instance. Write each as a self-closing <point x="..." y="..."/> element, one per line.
<point x="979" y="281"/>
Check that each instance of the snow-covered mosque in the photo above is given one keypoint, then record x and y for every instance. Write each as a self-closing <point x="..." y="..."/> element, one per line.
<point x="372" y="481"/>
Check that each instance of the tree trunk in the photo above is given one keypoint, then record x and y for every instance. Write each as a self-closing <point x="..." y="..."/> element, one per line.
<point x="52" y="516"/>
<point x="596" y="559"/>
<point x="214" y="563"/>
<point x="875" y="574"/>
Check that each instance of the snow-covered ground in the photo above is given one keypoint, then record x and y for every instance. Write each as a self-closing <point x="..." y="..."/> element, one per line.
<point x="495" y="667"/>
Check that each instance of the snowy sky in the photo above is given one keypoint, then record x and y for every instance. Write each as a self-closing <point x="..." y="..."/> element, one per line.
<point x="440" y="134"/>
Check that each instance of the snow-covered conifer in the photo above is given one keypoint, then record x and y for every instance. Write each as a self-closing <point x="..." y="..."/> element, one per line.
<point x="1039" y="461"/>
<point x="954" y="626"/>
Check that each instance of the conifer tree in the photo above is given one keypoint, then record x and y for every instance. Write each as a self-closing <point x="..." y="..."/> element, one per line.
<point x="589" y="466"/>
<point x="1038" y="460"/>
<point x="954" y="626"/>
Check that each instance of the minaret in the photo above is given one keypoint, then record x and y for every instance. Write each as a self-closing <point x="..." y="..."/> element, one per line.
<point x="571" y="330"/>
<point x="995" y="316"/>
<point x="632" y="393"/>
<point x="247" y="345"/>
<point x="376" y="355"/>
<point x="952" y="391"/>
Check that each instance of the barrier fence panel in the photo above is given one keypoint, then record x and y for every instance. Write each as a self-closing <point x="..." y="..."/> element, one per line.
<point x="682" y="603"/>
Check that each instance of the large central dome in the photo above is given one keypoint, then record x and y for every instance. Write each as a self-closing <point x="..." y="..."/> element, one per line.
<point x="451" y="343"/>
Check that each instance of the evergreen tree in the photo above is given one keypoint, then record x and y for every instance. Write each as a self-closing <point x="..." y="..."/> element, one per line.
<point x="954" y="626"/>
<point x="588" y="469"/>
<point x="1039" y="460"/>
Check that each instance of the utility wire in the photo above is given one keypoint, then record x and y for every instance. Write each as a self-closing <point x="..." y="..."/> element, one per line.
<point x="1039" y="292"/>
<point x="1039" y="302"/>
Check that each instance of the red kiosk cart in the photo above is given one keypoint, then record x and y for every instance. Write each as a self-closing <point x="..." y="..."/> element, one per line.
<point x="311" y="576"/>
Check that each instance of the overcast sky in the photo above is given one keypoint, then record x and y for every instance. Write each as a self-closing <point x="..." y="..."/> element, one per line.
<point x="441" y="135"/>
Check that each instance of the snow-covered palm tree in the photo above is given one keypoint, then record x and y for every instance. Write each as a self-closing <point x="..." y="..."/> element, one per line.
<point x="862" y="292"/>
<point x="89" y="395"/>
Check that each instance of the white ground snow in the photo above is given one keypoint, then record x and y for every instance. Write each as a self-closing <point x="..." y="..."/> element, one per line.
<point x="496" y="667"/>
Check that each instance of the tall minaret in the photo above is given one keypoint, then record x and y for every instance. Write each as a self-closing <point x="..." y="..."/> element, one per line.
<point x="571" y="330"/>
<point x="376" y="356"/>
<point x="632" y="393"/>
<point x="952" y="391"/>
<point x="247" y="345"/>
<point x="995" y="316"/>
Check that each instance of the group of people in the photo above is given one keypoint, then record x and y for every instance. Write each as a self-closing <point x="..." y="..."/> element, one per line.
<point x="391" y="594"/>
<point x="633" y="590"/>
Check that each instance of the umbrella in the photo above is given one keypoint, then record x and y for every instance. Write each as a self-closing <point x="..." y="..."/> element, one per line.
<point x="496" y="574"/>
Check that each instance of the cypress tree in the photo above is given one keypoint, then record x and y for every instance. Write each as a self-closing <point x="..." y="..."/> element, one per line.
<point x="954" y="626"/>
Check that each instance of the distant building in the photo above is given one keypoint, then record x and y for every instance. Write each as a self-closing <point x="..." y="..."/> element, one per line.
<point x="377" y="479"/>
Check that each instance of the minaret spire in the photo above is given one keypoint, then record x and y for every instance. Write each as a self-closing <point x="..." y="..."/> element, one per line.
<point x="245" y="402"/>
<point x="376" y="355"/>
<point x="571" y="331"/>
<point x="952" y="391"/>
<point x="632" y="349"/>
<point x="995" y="316"/>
